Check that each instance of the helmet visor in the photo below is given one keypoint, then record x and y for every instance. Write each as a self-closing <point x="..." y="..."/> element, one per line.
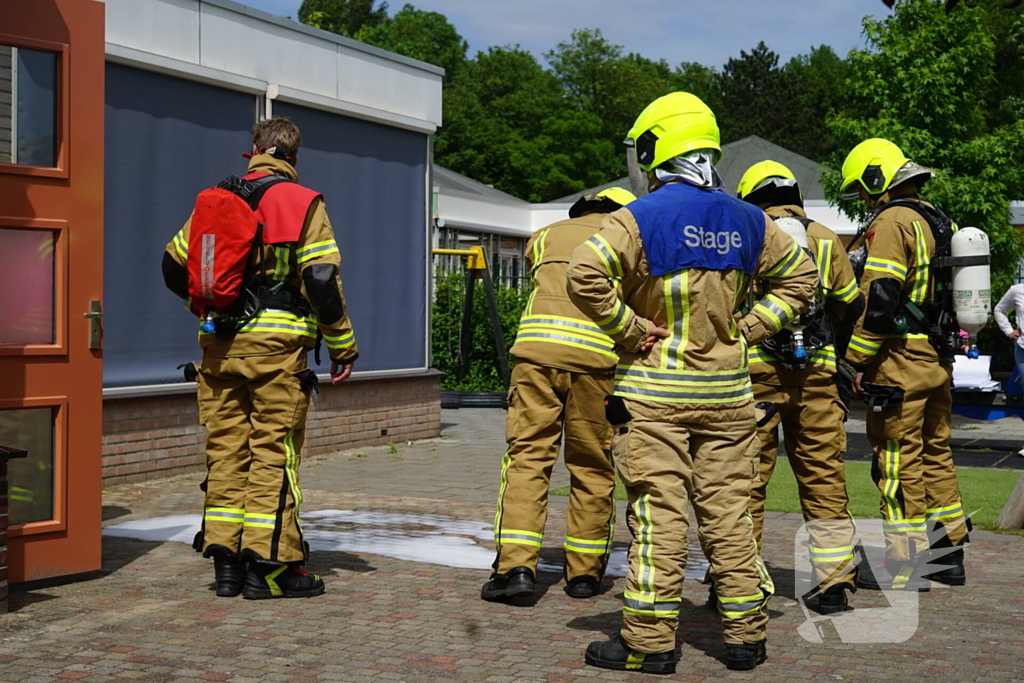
<point x="851" y="190"/>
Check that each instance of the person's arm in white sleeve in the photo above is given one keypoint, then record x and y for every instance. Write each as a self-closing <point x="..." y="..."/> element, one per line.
<point x="1002" y="310"/>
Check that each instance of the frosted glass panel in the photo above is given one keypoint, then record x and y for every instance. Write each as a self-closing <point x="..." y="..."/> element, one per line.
<point x="26" y="286"/>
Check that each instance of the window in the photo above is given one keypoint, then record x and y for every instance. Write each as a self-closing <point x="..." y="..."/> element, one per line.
<point x="28" y="107"/>
<point x="27" y="277"/>
<point x="31" y="480"/>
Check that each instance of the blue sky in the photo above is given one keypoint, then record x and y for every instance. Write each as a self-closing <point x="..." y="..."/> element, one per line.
<point x="706" y="31"/>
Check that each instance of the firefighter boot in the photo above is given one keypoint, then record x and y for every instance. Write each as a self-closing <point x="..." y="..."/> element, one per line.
<point x="833" y="600"/>
<point x="616" y="654"/>
<point x="518" y="583"/>
<point x="745" y="656"/>
<point x="273" y="580"/>
<point x="229" y="571"/>
<point x="880" y="578"/>
<point x="951" y="567"/>
<point x="581" y="587"/>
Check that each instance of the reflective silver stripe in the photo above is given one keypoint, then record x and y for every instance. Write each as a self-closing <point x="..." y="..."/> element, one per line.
<point x="740" y="607"/>
<point x="651" y="605"/>
<point x="680" y="318"/>
<point x="505" y="536"/>
<point x="839" y="554"/>
<point x="279" y="325"/>
<point x="614" y="268"/>
<point x="575" y="340"/>
<point x="789" y="263"/>
<point x="682" y="377"/>
<point x="579" y="544"/>
<point x="217" y="513"/>
<point x="775" y="308"/>
<point x="739" y="393"/>
<point x="206" y="271"/>
<point x="612" y="326"/>
<point x="563" y="323"/>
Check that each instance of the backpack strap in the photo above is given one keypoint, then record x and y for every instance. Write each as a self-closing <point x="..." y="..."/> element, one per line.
<point x="251" y="190"/>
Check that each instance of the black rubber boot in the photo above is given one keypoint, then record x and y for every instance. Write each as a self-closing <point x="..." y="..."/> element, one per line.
<point x="518" y="583"/>
<point x="953" y="561"/>
<point x="229" y="570"/>
<point x="745" y="656"/>
<point x="616" y="654"/>
<point x="268" y="580"/>
<point x="581" y="587"/>
<point x="833" y="600"/>
<point x="878" y="578"/>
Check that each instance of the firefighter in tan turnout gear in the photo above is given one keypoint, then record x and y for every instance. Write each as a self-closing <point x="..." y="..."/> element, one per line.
<point x="563" y="371"/>
<point x="254" y="384"/>
<point x="803" y="388"/>
<point x="905" y="368"/>
<point x="664" y="278"/>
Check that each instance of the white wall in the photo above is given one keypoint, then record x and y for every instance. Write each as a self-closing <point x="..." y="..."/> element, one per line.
<point x="245" y="47"/>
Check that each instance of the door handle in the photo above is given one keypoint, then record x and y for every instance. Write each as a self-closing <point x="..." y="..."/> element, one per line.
<point x="95" y="318"/>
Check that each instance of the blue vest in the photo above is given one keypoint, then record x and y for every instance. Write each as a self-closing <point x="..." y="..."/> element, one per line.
<point x="683" y="226"/>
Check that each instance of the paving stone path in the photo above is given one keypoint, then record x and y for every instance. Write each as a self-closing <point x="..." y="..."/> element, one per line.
<point x="150" y="615"/>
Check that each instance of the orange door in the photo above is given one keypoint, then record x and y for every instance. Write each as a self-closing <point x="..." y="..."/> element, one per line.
<point x="51" y="275"/>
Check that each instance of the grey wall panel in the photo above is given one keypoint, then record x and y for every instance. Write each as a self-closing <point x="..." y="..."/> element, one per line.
<point x="373" y="178"/>
<point x="167" y="139"/>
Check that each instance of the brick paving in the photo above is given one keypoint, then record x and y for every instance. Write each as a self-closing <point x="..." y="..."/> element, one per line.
<point x="151" y="615"/>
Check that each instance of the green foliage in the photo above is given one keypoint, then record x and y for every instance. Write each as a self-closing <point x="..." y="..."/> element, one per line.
<point x="483" y="373"/>
<point x="426" y="36"/>
<point x="344" y="17"/>
<point x="925" y="80"/>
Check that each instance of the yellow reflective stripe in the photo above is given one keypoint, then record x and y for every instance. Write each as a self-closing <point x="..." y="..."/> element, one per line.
<point x="685" y="378"/>
<point x="920" y="289"/>
<point x="565" y="339"/>
<point x="561" y="319"/>
<point x="237" y="511"/>
<point x="677" y="307"/>
<point x="326" y="246"/>
<point x="539" y="245"/>
<point x="824" y="356"/>
<point x="826" y="555"/>
<point x="607" y="255"/>
<point x="824" y="258"/>
<point x="572" y="330"/>
<point x="271" y="580"/>
<point x="630" y="389"/>
<point x="777" y="310"/>
<point x="864" y="345"/>
<point x="22" y="494"/>
<point x="616" y="322"/>
<point x="291" y="468"/>
<point x="506" y="461"/>
<point x="887" y="266"/>
<point x="788" y="264"/>
<point x="947" y="512"/>
<point x="256" y="519"/>
<point x="583" y="545"/>
<point x="647" y="604"/>
<point x="520" y="537"/>
<point x="180" y="245"/>
<point x="847" y="293"/>
<point x="341" y="341"/>
<point x="644" y="544"/>
<point x="890" y="487"/>
<point x="281" y="269"/>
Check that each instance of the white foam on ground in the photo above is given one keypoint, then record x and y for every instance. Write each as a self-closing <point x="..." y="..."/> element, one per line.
<point x="433" y="539"/>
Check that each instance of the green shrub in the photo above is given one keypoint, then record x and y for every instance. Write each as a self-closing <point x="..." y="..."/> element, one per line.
<point x="483" y="373"/>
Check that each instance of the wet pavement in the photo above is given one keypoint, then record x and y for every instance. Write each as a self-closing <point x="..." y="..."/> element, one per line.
<point x="400" y="535"/>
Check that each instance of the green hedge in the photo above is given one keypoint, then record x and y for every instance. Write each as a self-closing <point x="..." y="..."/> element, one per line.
<point x="449" y="297"/>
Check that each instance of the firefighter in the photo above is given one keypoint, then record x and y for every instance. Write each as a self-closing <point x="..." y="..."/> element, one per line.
<point x="664" y="278"/>
<point x="255" y="385"/>
<point x="894" y="352"/>
<point x="804" y="390"/>
<point x="564" y="369"/>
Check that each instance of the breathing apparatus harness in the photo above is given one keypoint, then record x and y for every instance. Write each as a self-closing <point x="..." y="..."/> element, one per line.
<point x="796" y="344"/>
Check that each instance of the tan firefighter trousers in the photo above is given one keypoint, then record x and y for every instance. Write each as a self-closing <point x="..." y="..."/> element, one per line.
<point x="812" y="424"/>
<point x="665" y="466"/>
<point x="543" y="402"/>
<point x="254" y="410"/>
<point x="913" y="465"/>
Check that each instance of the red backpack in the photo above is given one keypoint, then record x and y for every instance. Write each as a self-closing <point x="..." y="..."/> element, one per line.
<point x="223" y="234"/>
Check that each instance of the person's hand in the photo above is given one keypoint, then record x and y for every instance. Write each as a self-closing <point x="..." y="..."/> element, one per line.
<point x="1014" y="335"/>
<point x="653" y="335"/>
<point x="340" y="373"/>
<point x="858" y="386"/>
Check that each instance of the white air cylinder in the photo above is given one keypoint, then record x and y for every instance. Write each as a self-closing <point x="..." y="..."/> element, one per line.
<point x="972" y="285"/>
<point x="794" y="229"/>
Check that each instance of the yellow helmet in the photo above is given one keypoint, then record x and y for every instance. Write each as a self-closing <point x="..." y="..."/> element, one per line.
<point x="758" y="175"/>
<point x="605" y="201"/>
<point x="671" y="126"/>
<point x="618" y="195"/>
<point x="872" y="164"/>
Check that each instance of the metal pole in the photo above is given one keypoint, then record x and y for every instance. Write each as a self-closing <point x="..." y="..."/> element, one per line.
<point x="499" y="337"/>
<point x="465" y="340"/>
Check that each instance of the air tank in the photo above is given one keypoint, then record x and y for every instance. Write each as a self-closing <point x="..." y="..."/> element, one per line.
<point x="795" y="229"/>
<point x="972" y="285"/>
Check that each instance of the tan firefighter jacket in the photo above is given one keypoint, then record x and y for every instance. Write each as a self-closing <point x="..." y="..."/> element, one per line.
<point x="276" y="331"/>
<point x="839" y="290"/>
<point x="900" y="248"/>
<point x="552" y="331"/>
<point x="699" y="373"/>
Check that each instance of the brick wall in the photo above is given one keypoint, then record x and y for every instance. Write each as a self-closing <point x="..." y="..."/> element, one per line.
<point x="156" y="436"/>
<point x="3" y="535"/>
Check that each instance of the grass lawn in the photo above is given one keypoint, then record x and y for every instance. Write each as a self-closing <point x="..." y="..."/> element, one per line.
<point x="981" y="488"/>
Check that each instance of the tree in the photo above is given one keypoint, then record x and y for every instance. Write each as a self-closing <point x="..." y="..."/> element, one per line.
<point x="344" y="17"/>
<point x="702" y="81"/>
<point x="820" y="82"/>
<point x="507" y="124"/>
<point x="426" y="36"/>
<point x="926" y="78"/>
